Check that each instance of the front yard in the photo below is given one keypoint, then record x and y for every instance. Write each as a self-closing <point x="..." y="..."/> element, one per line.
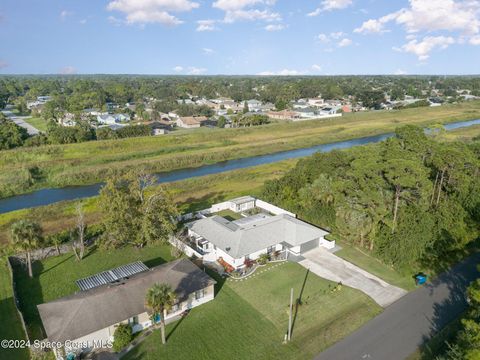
<point x="248" y="319"/>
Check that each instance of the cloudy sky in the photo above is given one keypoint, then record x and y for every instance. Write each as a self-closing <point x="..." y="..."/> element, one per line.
<point x="286" y="37"/>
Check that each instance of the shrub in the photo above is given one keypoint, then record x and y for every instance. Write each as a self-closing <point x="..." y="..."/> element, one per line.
<point x="122" y="337"/>
<point x="263" y="259"/>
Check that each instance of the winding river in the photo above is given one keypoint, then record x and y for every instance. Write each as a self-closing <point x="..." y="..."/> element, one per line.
<point x="52" y="195"/>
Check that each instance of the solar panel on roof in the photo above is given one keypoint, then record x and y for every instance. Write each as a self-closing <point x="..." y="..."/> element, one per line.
<point x="109" y="276"/>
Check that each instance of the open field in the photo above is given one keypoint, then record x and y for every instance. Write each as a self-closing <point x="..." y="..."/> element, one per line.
<point x="248" y="320"/>
<point x="190" y="195"/>
<point x="38" y="123"/>
<point x="26" y="169"/>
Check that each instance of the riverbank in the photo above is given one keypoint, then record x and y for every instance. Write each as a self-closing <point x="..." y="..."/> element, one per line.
<point x="27" y="169"/>
<point x="190" y="195"/>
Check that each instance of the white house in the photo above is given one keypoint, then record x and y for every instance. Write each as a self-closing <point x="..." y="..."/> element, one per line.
<point x="271" y="229"/>
<point x="111" y="119"/>
<point x="118" y="297"/>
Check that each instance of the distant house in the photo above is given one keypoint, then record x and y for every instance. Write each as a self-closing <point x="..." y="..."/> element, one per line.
<point x="270" y="229"/>
<point x="93" y="314"/>
<point x="318" y="101"/>
<point x="346" y="109"/>
<point x="191" y="122"/>
<point x="283" y="115"/>
<point x="254" y="105"/>
<point x="160" y="127"/>
<point x="110" y="119"/>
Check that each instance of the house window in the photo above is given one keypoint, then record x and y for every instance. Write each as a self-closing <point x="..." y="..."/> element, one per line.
<point x="133" y="321"/>
<point x="174" y="308"/>
<point x="199" y="294"/>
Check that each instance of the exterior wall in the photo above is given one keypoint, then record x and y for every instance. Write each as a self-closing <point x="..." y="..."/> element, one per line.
<point x="144" y="320"/>
<point x="329" y="244"/>
<point x="318" y="117"/>
<point x="272" y="208"/>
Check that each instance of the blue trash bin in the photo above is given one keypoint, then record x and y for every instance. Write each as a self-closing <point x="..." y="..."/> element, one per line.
<point x="421" y="279"/>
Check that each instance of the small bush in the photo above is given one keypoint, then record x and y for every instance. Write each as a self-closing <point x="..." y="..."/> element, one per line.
<point x="122" y="337"/>
<point x="263" y="259"/>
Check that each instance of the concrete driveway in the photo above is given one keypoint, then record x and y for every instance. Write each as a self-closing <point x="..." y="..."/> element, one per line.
<point x="331" y="267"/>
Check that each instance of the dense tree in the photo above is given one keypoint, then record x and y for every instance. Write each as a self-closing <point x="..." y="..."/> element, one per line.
<point x="11" y="135"/>
<point x="409" y="200"/>
<point x="26" y="236"/>
<point x="134" y="213"/>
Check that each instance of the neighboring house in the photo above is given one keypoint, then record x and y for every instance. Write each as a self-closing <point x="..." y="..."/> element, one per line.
<point x="191" y="122"/>
<point x="160" y="127"/>
<point x="270" y="230"/>
<point x="318" y="101"/>
<point x="111" y="119"/>
<point x="93" y="314"/>
<point x="254" y="105"/>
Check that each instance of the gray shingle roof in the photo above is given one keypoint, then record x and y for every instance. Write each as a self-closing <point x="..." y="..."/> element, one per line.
<point x="238" y="240"/>
<point x="80" y="314"/>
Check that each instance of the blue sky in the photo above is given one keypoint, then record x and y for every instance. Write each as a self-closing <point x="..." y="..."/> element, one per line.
<point x="314" y="37"/>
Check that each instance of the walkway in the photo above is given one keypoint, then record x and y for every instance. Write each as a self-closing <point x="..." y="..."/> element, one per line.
<point x="334" y="268"/>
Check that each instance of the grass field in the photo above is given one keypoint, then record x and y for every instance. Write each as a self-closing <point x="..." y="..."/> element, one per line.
<point x="38" y="123"/>
<point x="26" y="169"/>
<point x="190" y="195"/>
<point x="462" y="134"/>
<point x="11" y="328"/>
<point x="55" y="277"/>
<point x="248" y="320"/>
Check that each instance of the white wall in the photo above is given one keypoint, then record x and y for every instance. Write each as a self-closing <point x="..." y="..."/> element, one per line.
<point x="272" y="208"/>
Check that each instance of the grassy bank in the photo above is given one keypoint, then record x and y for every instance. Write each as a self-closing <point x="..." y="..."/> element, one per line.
<point x="191" y="195"/>
<point x="462" y="134"/>
<point x="26" y="169"/>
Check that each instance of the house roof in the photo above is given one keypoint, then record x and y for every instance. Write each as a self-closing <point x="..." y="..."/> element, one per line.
<point x="193" y="120"/>
<point x="242" y="238"/>
<point x="242" y="200"/>
<point x="80" y="314"/>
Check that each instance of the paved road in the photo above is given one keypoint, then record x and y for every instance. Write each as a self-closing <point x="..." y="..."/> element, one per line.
<point x="408" y="323"/>
<point x="19" y="120"/>
<point x="329" y="266"/>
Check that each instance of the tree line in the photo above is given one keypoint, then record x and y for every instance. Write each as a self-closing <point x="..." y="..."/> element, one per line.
<point x="409" y="200"/>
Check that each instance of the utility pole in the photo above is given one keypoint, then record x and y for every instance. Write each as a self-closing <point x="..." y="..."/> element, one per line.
<point x="290" y="316"/>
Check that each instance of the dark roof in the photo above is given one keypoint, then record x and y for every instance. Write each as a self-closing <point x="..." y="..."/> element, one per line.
<point x="80" y="314"/>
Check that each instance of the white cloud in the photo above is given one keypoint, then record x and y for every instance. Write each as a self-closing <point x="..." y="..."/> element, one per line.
<point x="83" y="21"/>
<point x="400" y="72"/>
<point x="178" y="68"/>
<point x="114" y="21"/>
<point x="208" y="51"/>
<point x="430" y="16"/>
<point x="328" y="5"/>
<point x="284" y="72"/>
<point x="65" y="14"/>
<point x="423" y="48"/>
<point x="192" y="70"/>
<point x="274" y="27"/>
<point x="475" y="40"/>
<point x="316" y="67"/>
<point x="152" y="11"/>
<point x="326" y="38"/>
<point x="345" y="42"/>
<point x="206" y="25"/>
<point x="68" y="70"/>
<point x="242" y="10"/>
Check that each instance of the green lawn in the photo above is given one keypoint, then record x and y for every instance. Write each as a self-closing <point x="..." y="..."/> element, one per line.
<point x="55" y="277"/>
<point x="38" y="123"/>
<point x="248" y="320"/>
<point x="11" y="328"/>
<point x="90" y="162"/>
<point x="229" y="215"/>
<point x="371" y="264"/>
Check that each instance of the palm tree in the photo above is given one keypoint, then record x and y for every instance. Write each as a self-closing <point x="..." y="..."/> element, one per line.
<point x="26" y="235"/>
<point x="159" y="299"/>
